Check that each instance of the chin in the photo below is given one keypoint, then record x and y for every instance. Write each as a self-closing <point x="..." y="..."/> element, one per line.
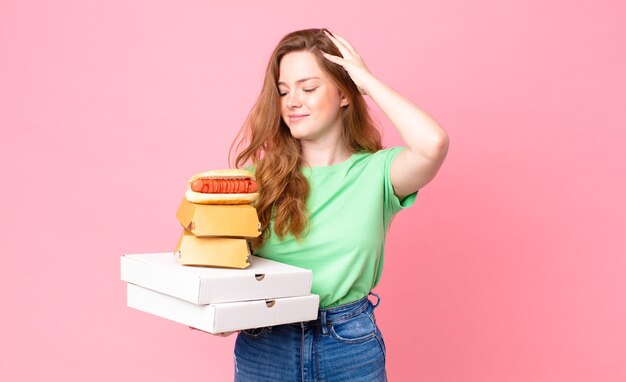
<point x="298" y="133"/>
<point x="298" y="136"/>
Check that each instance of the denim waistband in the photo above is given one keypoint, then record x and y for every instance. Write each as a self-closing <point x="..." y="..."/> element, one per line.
<point x="343" y="312"/>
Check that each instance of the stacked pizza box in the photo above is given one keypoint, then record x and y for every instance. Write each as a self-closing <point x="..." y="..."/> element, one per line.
<point x="212" y="282"/>
<point x="217" y="299"/>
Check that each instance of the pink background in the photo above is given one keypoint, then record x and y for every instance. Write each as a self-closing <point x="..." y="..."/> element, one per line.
<point x="510" y="267"/>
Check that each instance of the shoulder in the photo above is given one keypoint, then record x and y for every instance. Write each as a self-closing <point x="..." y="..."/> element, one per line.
<point x="382" y="157"/>
<point x="390" y="151"/>
<point x="373" y="165"/>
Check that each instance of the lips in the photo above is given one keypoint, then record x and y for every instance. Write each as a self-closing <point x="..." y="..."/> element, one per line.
<point x="297" y="117"/>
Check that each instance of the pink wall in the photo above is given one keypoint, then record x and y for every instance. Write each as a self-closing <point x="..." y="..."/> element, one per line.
<point x="510" y="267"/>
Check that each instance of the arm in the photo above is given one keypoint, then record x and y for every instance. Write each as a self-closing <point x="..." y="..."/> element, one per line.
<point x="426" y="141"/>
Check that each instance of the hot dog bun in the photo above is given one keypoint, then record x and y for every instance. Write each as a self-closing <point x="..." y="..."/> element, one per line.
<point x="221" y="198"/>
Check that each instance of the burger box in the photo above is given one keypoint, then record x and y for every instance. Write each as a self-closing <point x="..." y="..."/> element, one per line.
<point x="212" y="251"/>
<point x="219" y="220"/>
<point x="264" y="279"/>
<point x="227" y="316"/>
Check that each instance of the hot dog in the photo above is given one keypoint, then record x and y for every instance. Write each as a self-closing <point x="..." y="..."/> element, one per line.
<point x="224" y="186"/>
<point x="232" y="186"/>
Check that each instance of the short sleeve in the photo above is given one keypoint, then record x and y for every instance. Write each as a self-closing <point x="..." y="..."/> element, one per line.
<point x="392" y="204"/>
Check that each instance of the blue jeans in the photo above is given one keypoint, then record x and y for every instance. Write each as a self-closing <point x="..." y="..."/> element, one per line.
<point x="343" y="344"/>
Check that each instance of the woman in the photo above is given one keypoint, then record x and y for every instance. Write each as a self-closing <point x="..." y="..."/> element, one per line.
<point x="328" y="192"/>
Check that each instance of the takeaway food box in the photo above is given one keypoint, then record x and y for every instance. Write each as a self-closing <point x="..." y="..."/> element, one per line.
<point x="210" y="220"/>
<point x="227" y="316"/>
<point x="219" y="299"/>
<point x="212" y="251"/>
<point x="215" y="235"/>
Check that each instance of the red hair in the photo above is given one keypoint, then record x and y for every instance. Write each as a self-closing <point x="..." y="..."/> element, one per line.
<point x="276" y="155"/>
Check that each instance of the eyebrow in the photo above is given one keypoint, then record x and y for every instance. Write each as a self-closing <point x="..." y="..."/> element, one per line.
<point x="299" y="81"/>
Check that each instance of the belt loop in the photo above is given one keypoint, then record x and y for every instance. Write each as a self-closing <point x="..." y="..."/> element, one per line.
<point x="377" y="299"/>
<point x="323" y="322"/>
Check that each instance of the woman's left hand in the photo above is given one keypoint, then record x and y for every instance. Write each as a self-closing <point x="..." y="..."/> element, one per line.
<point x="426" y="141"/>
<point x="351" y="62"/>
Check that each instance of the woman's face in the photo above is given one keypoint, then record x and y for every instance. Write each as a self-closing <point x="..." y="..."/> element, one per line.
<point x="310" y="101"/>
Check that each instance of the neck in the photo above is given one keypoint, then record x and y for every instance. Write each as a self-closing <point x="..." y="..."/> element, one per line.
<point x="320" y="154"/>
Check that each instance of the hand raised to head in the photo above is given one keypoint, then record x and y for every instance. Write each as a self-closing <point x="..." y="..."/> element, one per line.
<point x="351" y="61"/>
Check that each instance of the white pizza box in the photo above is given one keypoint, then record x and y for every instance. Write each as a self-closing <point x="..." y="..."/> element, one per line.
<point x="263" y="279"/>
<point x="227" y="316"/>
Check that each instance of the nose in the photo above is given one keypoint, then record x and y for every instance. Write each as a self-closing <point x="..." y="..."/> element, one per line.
<point x="292" y="100"/>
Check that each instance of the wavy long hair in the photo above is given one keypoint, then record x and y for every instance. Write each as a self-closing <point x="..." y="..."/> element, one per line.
<point x="276" y="154"/>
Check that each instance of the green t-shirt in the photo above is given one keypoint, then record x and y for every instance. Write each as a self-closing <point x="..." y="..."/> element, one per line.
<point x="350" y="208"/>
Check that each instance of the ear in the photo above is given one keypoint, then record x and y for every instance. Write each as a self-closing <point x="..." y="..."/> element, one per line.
<point x="344" y="100"/>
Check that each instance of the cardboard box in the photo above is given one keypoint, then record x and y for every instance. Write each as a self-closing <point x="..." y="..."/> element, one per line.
<point x="219" y="220"/>
<point x="212" y="251"/>
<point x="224" y="317"/>
<point x="264" y="279"/>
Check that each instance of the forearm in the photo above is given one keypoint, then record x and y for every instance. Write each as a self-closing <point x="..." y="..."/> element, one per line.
<point x="420" y="132"/>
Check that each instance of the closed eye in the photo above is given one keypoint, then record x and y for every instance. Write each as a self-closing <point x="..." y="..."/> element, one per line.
<point x="307" y="90"/>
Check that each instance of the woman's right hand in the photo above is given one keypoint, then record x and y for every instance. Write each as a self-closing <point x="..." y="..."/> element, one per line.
<point x="225" y="334"/>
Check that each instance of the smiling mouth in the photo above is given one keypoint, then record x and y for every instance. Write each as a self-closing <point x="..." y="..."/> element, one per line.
<point x="297" y="117"/>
